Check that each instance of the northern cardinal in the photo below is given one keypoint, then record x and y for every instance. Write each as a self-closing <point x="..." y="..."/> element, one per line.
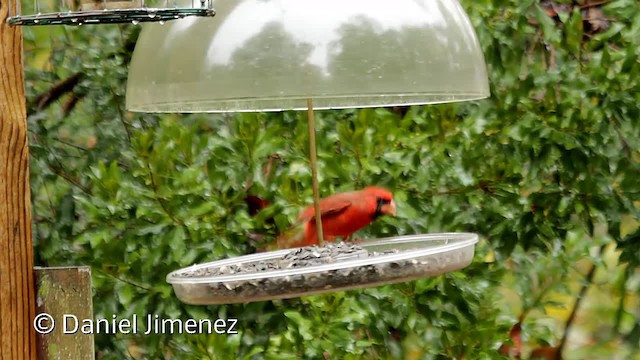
<point x="255" y="204"/>
<point x="343" y="214"/>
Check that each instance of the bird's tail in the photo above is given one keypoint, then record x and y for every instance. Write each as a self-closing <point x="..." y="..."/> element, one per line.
<point x="301" y="235"/>
<point x="291" y="238"/>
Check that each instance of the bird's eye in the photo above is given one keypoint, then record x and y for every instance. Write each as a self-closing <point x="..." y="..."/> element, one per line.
<point x="384" y="201"/>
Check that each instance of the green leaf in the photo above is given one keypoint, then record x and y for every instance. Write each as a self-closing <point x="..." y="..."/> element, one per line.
<point x="550" y="30"/>
<point x="574" y="31"/>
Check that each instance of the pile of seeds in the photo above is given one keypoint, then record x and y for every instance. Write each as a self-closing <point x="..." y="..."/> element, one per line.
<point x="302" y="257"/>
<point x="293" y="285"/>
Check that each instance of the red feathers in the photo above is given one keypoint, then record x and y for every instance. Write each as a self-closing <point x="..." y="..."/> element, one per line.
<point x="345" y="213"/>
<point x="342" y="215"/>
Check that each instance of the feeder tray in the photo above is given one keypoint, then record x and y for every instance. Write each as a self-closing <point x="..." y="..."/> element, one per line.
<point x="79" y="12"/>
<point x="314" y="270"/>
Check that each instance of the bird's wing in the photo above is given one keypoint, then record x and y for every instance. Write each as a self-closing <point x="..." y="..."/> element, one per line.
<point x="327" y="208"/>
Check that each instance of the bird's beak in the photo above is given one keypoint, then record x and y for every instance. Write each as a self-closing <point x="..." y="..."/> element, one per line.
<point x="389" y="209"/>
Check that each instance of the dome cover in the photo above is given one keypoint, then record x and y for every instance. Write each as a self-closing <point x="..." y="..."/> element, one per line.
<point x="268" y="55"/>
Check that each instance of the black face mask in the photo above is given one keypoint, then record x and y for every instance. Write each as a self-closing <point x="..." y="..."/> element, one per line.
<point x="380" y="202"/>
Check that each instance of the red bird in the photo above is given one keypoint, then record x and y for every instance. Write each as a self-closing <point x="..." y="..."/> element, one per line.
<point x="343" y="214"/>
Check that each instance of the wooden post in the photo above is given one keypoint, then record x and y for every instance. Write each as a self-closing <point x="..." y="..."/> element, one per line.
<point x="17" y="295"/>
<point x="64" y="291"/>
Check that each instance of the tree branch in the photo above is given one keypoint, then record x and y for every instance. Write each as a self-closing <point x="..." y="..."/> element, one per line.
<point x="58" y="171"/>
<point x="121" y="279"/>
<point x="594" y="3"/>
<point x="576" y="306"/>
<point x="154" y="186"/>
<point x="62" y="87"/>
<point x="43" y="100"/>
<point x="71" y="103"/>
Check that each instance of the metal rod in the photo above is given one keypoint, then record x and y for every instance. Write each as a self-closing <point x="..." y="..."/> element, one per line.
<point x="314" y="169"/>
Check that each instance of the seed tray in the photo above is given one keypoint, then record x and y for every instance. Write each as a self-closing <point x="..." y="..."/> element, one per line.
<point x="313" y="270"/>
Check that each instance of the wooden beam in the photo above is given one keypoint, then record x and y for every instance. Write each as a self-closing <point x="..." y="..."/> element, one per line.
<point x="65" y="291"/>
<point x="17" y="295"/>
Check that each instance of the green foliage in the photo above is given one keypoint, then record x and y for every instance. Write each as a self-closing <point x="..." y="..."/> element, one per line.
<point x="545" y="170"/>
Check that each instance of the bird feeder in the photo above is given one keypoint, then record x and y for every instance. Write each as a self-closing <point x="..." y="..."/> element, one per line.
<point x="273" y="55"/>
<point x="315" y="270"/>
<point x="80" y="12"/>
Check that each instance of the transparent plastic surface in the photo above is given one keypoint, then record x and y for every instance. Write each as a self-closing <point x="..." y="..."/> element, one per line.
<point x="414" y="257"/>
<point x="262" y="55"/>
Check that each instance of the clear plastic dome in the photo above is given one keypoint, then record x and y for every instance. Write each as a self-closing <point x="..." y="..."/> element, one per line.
<point x="264" y="55"/>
